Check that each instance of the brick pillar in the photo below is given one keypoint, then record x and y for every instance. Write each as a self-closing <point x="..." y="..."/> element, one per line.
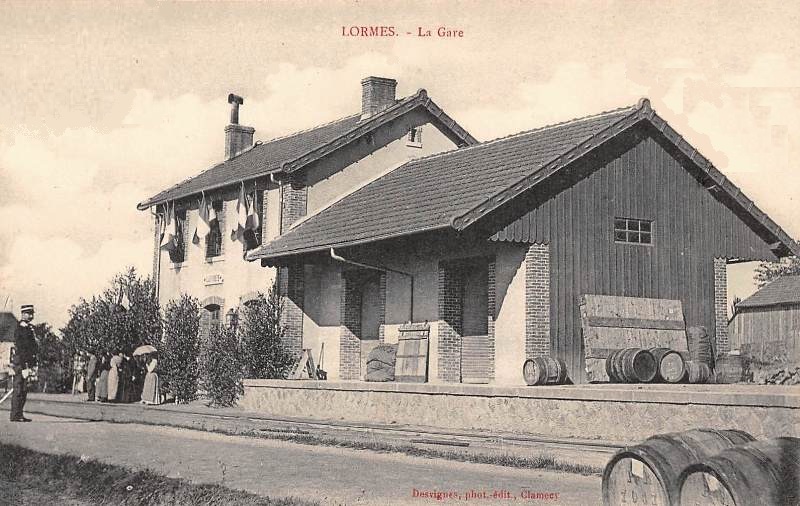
<point x="264" y="228"/>
<point x="382" y="307"/>
<point x="350" y="332"/>
<point x="294" y="200"/>
<point x="491" y="300"/>
<point x="537" y="301"/>
<point x="721" y="305"/>
<point x="449" y="302"/>
<point x="291" y="285"/>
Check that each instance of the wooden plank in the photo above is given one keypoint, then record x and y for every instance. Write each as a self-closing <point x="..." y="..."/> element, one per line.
<point x="412" y="354"/>
<point x="635" y="323"/>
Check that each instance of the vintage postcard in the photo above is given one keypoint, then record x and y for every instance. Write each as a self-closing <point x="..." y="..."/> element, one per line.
<point x="376" y="252"/>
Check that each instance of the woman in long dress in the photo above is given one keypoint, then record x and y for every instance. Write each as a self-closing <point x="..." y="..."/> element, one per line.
<point x="113" y="377"/>
<point x="151" y="394"/>
<point x="101" y="388"/>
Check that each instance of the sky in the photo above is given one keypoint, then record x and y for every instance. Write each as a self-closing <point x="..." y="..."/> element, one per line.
<point x="105" y="104"/>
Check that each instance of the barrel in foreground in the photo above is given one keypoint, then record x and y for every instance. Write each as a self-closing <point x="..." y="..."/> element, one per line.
<point x="648" y="473"/>
<point x="758" y="473"/>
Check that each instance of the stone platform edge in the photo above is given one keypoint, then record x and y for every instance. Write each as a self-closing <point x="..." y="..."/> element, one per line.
<point x="713" y="395"/>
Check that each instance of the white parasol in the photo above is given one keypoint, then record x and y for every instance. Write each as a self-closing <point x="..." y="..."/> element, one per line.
<point x="143" y="350"/>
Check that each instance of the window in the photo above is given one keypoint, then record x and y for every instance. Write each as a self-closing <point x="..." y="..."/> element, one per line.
<point x="414" y="137"/>
<point x="252" y="238"/>
<point x="209" y="319"/>
<point x="632" y="231"/>
<point x="214" y="239"/>
<point x="178" y="254"/>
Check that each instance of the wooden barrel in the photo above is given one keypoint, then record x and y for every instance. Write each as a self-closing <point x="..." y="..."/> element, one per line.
<point x="611" y="368"/>
<point x="700" y="347"/>
<point x="634" y="365"/>
<point x="697" y="372"/>
<point x="670" y="365"/>
<point x="544" y="371"/>
<point x="648" y="473"/>
<point x="764" y="472"/>
<point x="729" y="369"/>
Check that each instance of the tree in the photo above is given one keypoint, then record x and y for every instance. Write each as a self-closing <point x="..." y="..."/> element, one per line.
<point x="221" y="370"/>
<point x="768" y="271"/>
<point x="124" y="316"/>
<point x="54" y="360"/>
<point x="181" y="348"/>
<point x="261" y="333"/>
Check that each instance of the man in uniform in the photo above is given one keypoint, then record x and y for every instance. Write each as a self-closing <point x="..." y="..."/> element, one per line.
<point x="25" y="350"/>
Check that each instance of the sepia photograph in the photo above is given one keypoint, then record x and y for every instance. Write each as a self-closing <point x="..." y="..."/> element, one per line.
<point x="367" y="252"/>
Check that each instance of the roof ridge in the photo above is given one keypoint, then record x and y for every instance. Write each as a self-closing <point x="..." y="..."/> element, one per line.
<point x="526" y="132"/>
<point x="298" y="132"/>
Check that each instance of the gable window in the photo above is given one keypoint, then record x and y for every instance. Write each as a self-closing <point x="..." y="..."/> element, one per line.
<point x="633" y="231"/>
<point x="414" y="138"/>
<point x="214" y="239"/>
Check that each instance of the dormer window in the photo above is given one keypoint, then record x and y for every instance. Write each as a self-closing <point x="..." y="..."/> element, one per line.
<point x="414" y="138"/>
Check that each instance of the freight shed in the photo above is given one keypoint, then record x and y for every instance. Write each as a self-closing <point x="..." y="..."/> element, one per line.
<point x="766" y="325"/>
<point x="495" y="245"/>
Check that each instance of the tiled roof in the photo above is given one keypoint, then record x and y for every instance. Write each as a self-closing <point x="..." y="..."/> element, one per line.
<point x="457" y="188"/>
<point x="783" y="290"/>
<point x="294" y="151"/>
<point x="428" y="193"/>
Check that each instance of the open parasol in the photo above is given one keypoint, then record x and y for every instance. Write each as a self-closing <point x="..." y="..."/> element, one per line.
<point x="143" y="350"/>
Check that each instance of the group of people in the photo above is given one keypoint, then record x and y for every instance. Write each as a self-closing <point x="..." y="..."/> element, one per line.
<point x="119" y="377"/>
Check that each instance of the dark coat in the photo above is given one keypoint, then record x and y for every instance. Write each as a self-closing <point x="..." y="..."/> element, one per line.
<point x="91" y="367"/>
<point x="25" y="347"/>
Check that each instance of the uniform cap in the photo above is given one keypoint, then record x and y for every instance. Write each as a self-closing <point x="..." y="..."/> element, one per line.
<point x="26" y="308"/>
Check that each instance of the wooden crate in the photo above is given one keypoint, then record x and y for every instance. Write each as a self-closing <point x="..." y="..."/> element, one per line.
<point x="610" y="323"/>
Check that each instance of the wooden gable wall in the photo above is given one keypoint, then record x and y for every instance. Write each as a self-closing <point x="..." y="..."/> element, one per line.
<point x="639" y="177"/>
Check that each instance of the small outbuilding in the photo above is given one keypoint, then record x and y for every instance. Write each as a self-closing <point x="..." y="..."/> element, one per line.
<point x="766" y="325"/>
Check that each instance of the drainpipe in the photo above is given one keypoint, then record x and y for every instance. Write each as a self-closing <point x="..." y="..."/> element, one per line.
<point x="157" y="253"/>
<point x="382" y="269"/>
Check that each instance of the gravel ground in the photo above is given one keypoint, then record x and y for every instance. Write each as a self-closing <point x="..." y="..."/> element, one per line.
<point x="275" y="468"/>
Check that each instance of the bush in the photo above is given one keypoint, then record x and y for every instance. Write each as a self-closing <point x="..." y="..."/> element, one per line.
<point x="261" y="333"/>
<point x="110" y="322"/>
<point x="178" y="365"/>
<point x="221" y="370"/>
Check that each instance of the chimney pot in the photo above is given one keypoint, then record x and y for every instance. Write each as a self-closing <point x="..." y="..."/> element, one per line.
<point x="377" y="94"/>
<point x="238" y="138"/>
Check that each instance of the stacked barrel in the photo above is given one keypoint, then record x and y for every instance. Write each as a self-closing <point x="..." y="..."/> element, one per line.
<point x="705" y="467"/>
<point x="660" y="364"/>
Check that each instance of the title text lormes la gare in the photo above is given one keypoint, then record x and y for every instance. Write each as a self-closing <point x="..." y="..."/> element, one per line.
<point x="393" y="31"/>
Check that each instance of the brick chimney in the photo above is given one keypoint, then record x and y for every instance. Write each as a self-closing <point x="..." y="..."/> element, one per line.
<point x="238" y="138"/>
<point x="377" y="94"/>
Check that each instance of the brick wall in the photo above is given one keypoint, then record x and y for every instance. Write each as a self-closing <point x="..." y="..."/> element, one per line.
<point x="294" y="200"/>
<point x="264" y="216"/>
<point x="537" y="301"/>
<point x="721" y="305"/>
<point x="291" y="283"/>
<point x="350" y="331"/>
<point x="449" y="305"/>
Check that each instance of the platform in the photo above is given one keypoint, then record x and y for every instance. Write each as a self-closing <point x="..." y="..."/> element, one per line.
<point x="602" y="411"/>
